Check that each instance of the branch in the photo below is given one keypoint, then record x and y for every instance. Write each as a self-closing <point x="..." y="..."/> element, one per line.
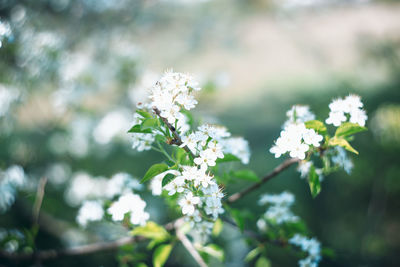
<point x="188" y="245"/>
<point x="177" y="139"/>
<point x="74" y="251"/>
<point x="284" y="165"/>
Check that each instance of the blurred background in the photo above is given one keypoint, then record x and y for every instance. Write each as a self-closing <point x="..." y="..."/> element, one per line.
<point x="71" y="72"/>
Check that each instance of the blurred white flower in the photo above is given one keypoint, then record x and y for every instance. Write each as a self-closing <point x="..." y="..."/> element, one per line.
<point x="90" y="210"/>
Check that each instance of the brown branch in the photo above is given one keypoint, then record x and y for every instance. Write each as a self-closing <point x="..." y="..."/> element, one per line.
<point x="74" y="251"/>
<point x="187" y="244"/>
<point x="177" y="139"/>
<point x="284" y="165"/>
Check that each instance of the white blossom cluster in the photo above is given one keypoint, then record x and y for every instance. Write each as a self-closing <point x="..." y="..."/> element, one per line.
<point x="131" y="204"/>
<point x="90" y="193"/>
<point x="309" y="245"/>
<point x="198" y="193"/>
<point x="11" y="179"/>
<point x="341" y="159"/>
<point x="11" y="240"/>
<point x="347" y="109"/>
<point x="279" y="210"/>
<point x="296" y="139"/>
<point x="5" y="31"/>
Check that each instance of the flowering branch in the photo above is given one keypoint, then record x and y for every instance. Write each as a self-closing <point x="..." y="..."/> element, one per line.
<point x="177" y="139"/>
<point x="286" y="164"/>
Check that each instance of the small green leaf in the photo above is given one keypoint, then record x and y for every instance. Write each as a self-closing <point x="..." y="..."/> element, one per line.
<point x="214" y="251"/>
<point x="149" y="123"/>
<point x="161" y="255"/>
<point x="144" y="114"/>
<point x="137" y="129"/>
<point x="263" y="262"/>
<point x="317" y="125"/>
<point x="153" y="171"/>
<point x="335" y="141"/>
<point x="313" y="181"/>
<point x="167" y="178"/>
<point x="349" y="128"/>
<point x="246" y="175"/>
<point x="152" y="231"/>
<point x="228" y="158"/>
<point x="218" y="225"/>
<point x="252" y="254"/>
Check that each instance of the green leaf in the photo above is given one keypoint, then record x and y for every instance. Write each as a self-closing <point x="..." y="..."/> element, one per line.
<point x="343" y="143"/>
<point x="137" y="129"/>
<point x="228" y="158"/>
<point x="214" y="251"/>
<point x="317" y="125"/>
<point x="153" y="171"/>
<point x="246" y="175"/>
<point x="161" y="255"/>
<point x="349" y="128"/>
<point x="313" y="181"/>
<point x="149" y="123"/>
<point x="252" y="254"/>
<point x="167" y="178"/>
<point x="218" y="225"/>
<point x="144" y="114"/>
<point x="263" y="262"/>
<point x="152" y="231"/>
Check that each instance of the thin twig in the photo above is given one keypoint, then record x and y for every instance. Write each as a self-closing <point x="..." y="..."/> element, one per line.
<point x="74" y="251"/>
<point x="284" y="165"/>
<point x="177" y="139"/>
<point x="187" y="244"/>
<point x="39" y="199"/>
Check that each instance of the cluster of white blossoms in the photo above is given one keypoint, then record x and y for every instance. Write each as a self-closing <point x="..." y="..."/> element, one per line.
<point x="5" y="31"/>
<point x="309" y="245"/>
<point x="295" y="138"/>
<point x="346" y="109"/>
<point x="92" y="192"/>
<point x="131" y="204"/>
<point x="198" y="193"/>
<point x="11" y="179"/>
<point x="341" y="159"/>
<point x="85" y="187"/>
<point x="173" y="92"/>
<point x="91" y="210"/>
<point x="279" y="210"/>
<point x="221" y="143"/>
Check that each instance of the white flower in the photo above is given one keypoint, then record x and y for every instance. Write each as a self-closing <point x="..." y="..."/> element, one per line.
<point x="310" y="246"/>
<point x="156" y="182"/>
<point x="216" y="149"/>
<point x="129" y="203"/>
<point x="190" y="141"/>
<point x="304" y="168"/>
<point x="238" y="147"/>
<point x="15" y="175"/>
<point x="299" y="151"/>
<point x="213" y="207"/>
<point x="188" y="203"/>
<point x="207" y="158"/>
<point x="193" y="218"/>
<point x="358" y="116"/>
<point x="90" y="211"/>
<point x="341" y="159"/>
<point x="336" y="118"/>
<point x="176" y="185"/>
<point x="352" y="103"/>
<point x="310" y="137"/>
<point x="299" y="114"/>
